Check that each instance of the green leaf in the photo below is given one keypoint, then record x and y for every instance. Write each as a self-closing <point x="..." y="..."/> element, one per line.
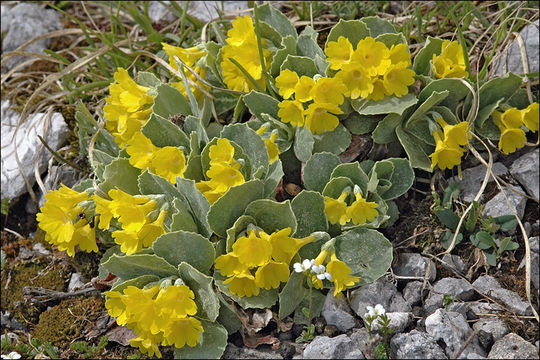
<point x="193" y="124"/>
<point x="227" y="316"/>
<point x="361" y="124"/>
<point x="211" y="346"/>
<point x="354" y="172"/>
<point x="414" y="149"/>
<point x="182" y="218"/>
<point x="205" y="295"/>
<point x="507" y="244"/>
<point x="151" y="184"/>
<point x="170" y="101"/>
<point x="385" y="132"/>
<point x="308" y="208"/>
<point x="288" y="48"/>
<point x="498" y="88"/>
<point x="335" y="141"/>
<point x="402" y="178"/>
<point x="276" y="19"/>
<point x="376" y="253"/>
<point x="268" y="32"/>
<point x="194" y="169"/>
<point x="131" y="266"/>
<point x="239" y="227"/>
<point x="318" y="169"/>
<point x="432" y="100"/>
<point x="139" y="282"/>
<point x="271" y="215"/>
<point x="265" y="299"/>
<point x="448" y="218"/>
<point x="485" y="114"/>
<point x="354" y="30"/>
<point x="453" y="86"/>
<point x="179" y="246"/>
<point x="506" y="222"/>
<point x="491" y="257"/>
<point x="224" y="212"/>
<point x="87" y="127"/>
<point x="120" y="174"/>
<point x="147" y="79"/>
<point x="378" y="26"/>
<point x="391" y="39"/>
<point x="259" y="103"/>
<point x="302" y="65"/>
<point x="421" y="64"/>
<point x="446" y="239"/>
<point x="390" y="104"/>
<point x="292" y="294"/>
<point x="483" y="240"/>
<point x="163" y="133"/>
<point x="303" y="144"/>
<point x="198" y="204"/>
<point x="307" y="46"/>
<point x="317" y="303"/>
<point x="275" y="173"/>
<point x="336" y="185"/>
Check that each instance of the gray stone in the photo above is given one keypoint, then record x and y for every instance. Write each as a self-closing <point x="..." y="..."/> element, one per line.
<point x="472" y="180"/>
<point x="458" y="288"/>
<point x="510" y="59"/>
<point x="324" y="347"/>
<point x="535" y="262"/>
<point x="27" y="144"/>
<point x="412" y="293"/>
<point x="24" y="22"/>
<point x="513" y="346"/>
<point x="498" y="205"/>
<point x="458" y="307"/>
<point x="10" y="323"/>
<point x="414" y="265"/>
<point x="453" y="263"/>
<point x="382" y="292"/>
<point x="399" y="321"/>
<point x="76" y="282"/>
<point x="39" y="249"/>
<point x="415" y="345"/>
<point x="494" y="326"/>
<point x="206" y="11"/>
<point x="337" y="312"/>
<point x="452" y="328"/>
<point x="158" y="11"/>
<point x="480" y="308"/>
<point x="525" y="170"/>
<point x="361" y="338"/>
<point x="489" y="286"/>
<point x="234" y="352"/>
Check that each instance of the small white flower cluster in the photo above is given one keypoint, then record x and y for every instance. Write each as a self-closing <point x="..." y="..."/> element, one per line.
<point x="374" y="312"/>
<point x="12" y="355"/>
<point x="312" y="267"/>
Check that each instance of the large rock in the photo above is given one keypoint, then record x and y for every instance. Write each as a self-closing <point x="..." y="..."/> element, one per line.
<point x="489" y="286"/>
<point x="513" y="346"/>
<point x="453" y="330"/>
<point x="337" y="312"/>
<point x="27" y="144"/>
<point x="535" y="262"/>
<point x="453" y="263"/>
<point x="415" y="345"/>
<point x="412" y="292"/>
<point x="414" y="265"/>
<point x="459" y="289"/>
<point x="525" y="170"/>
<point x="494" y="326"/>
<point x="159" y="10"/>
<point x="382" y="292"/>
<point x="498" y="205"/>
<point x="339" y="347"/>
<point x="510" y="59"/>
<point x="24" y="22"/>
<point x="206" y="11"/>
<point x="472" y="180"/>
<point x="399" y="322"/>
<point x="234" y="352"/>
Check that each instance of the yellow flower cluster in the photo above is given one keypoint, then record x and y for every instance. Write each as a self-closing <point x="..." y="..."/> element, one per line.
<point x="65" y="223"/>
<point x="223" y="172"/>
<point x="127" y="108"/>
<point x="339" y="271"/>
<point x="134" y="213"/>
<point x="270" y="143"/>
<point x="242" y="47"/>
<point x="324" y="95"/>
<point x="371" y="70"/>
<point x="510" y="123"/>
<point x="448" y="142"/>
<point x="259" y="261"/>
<point x="189" y="56"/>
<point x="168" y="161"/>
<point x="157" y="315"/>
<point x="360" y="211"/>
<point x="451" y="63"/>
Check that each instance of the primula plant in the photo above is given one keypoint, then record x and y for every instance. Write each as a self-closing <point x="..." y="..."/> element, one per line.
<point x="184" y="202"/>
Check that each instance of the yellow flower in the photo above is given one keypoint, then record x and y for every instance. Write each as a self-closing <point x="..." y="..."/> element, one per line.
<point x="451" y="62"/>
<point x="339" y="52"/>
<point x="131" y="95"/>
<point x="302" y="90"/>
<point x="379" y="91"/>
<point x="148" y="343"/>
<point x="235" y="79"/>
<point x="176" y="302"/>
<point x="169" y="162"/>
<point x="291" y="111"/>
<point x="511" y="139"/>
<point x="222" y="152"/>
<point x="399" y="55"/>
<point x="286" y="82"/>
<point x="373" y="55"/>
<point x="397" y="78"/>
<point x="140" y="150"/>
<point x="189" y="56"/>
<point x="252" y="250"/>
<point x="454" y="135"/>
<point x="104" y="211"/>
<point x="242" y="31"/>
<point x="132" y="241"/>
<point x="336" y="209"/>
<point x="530" y="117"/>
<point x="511" y="118"/>
<point x="341" y="275"/>
<point x="228" y="264"/>
<point x="328" y="90"/>
<point x="180" y="332"/>
<point x="357" y="80"/>
<point x="130" y="210"/>
<point x="362" y="211"/>
<point x="319" y="260"/>
<point x="224" y="176"/>
<point x="141" y="310"/>
<point x="319" y="117"/>
<point x="272" y="148"/>
<point x="243" y="284"/>
<point x="285" y="247"/>
<point x="270" y="275"/>
<point x="445" y="156"/>
<point x="115" y="306"/>
<point x="210" y="193"/>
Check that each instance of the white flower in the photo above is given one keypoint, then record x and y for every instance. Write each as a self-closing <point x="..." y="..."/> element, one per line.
<point x="324" y="275"/>
<point x="12" y="355"/>
<point x="318" y="269"/>
<point x="379" y="310"/>
<point x="304" y="266"/>
<point x="371" y="311"/>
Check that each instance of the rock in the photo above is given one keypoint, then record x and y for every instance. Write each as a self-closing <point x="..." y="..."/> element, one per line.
<point x="415" y="345"/>
<point x="234" y="352"/>
<point x="535" y="262"/>
<point x="76" y="282"/>
<point x="27" y="143"/>
<point x="158" y="11"/>
<point x="206" y="11"/>
<point x="485" y="339"/>
<point x="459" y="289"/>
<point x="498" y="206"/>
<point x="337" y="312"/>
<point x="382" y="292"/>
<point x="361" y="338"/>
<point x="479" y="308"/>
<point x="287" y="350"/>
<point x="452" y="328"/>
<point x="525" y="170"/>
<point x="10" y="323"/>
<point x="453" y="263"/>
<point x="399" y="321"/>
<point x="472" y="179"/>
<point x="412" y="293"/>
<point x="24" y="22"/>
<point x="494" y="326"/>
<point x="339" y="347"/>
<point x="25" y="253"/>
<point x="513" y="346"/>
<point x="489" y="286"/>
<point x="414" y="265"/>
<point x="331" y="330"/>
<point x="459" y="307"/>
<point x="510" y="60"/>
<point x="39" y="249"/>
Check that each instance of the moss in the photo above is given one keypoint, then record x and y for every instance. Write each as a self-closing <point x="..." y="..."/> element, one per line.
<point x="65" y="322"/>
<point x="87" y="264"/>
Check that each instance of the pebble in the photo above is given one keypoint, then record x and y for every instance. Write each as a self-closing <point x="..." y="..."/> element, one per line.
<point x="496" y="327"/>
<point x="399" y="322"/>
<point x="324" y="347"/>
<point x="489" y="286"/>
<point x="498" y="205"/>
<point x="414" y="265"/>
<point x="525" y="170"/>
<point x="459" y="289"/>
<point x="472" y="179"/>
<point x="513" y="346"/>
<point x="415" y="345"/>
<point x="337" y="312"/>
<point x="76" y="282"/>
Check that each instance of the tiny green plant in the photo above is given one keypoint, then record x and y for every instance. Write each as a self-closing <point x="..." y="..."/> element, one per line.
<point x="448" y="300"/>
<point x="88" y="351"/>
<point x="382" y="350"/>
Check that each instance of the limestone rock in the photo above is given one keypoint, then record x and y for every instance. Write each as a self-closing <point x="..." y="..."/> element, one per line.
<point x="489" y="286"/>
<point x="525" y="170"/>
<point x="498" y="206"/>
<point x="414" y="265"/>
<point x="472" y="180"/>
<point x="496" y="327"/>
<point x="205" y="11"/>
<point x="513" y="346"/>
<point x="510" y="59"/>
<point x="339" y="347"/>
<point x="399" y="321"/>
<point x="234" y="352"/>
<point x="415" y="345"/>
<point x="382" y="292"/>
<point x="337" y="312"/>
<point x="458" y="288"/>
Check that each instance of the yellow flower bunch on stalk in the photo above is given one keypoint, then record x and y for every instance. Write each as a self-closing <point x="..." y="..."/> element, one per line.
<point x="127" y="108"/>
<point x="322" y="96"/>
<point x="65" y="223"/>
<point x="224" y="171"/>
<point x="359" y="212"/>
<point x="139" y="228"/>
<point x="448" y="142"/>
<point x="242" y="47"/>
<point x="168" y="161"/>
<point x="451" y="62"/>
<point x="510" y="123"/>
<point x="371" y="70"/>
<point x="340" y="273"/>
<point x="270" y="143"/>
<point x="259" y="260"/>
<point x="189" y="56"/>
<point x="157" y="315"/>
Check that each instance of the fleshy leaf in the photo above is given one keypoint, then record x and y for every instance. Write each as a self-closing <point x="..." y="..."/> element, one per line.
<point x="131" y="266"/>
<point x="205" y="295"/>
<point x="385" y="132"/>
<point x="303" y="144"/>
<point x="211" y="346"/>
<point x="335" y="141"/>
<point x="354" y="172"/>
<point x="271" y="215"/>
<point x="302" y="65"/>
<point x="179" y="246"/>
<point x="378" y="26"/>
<point x="139" y="282"/>
<point x="170" y="101"/>
<point x="318" y="169"/>
<point x="162" y="133"/>
<point x="259" y="103"/>
<point x="292" y="294"/>
<point x="354" y="30"/>
<point x="198" y="204"/>
<point x="308" y="208"/>
<point x="276" y="19"/>
<point x="182" y="218"/>
<point x="120" y="174"/>
<point x="390" y="104"/>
